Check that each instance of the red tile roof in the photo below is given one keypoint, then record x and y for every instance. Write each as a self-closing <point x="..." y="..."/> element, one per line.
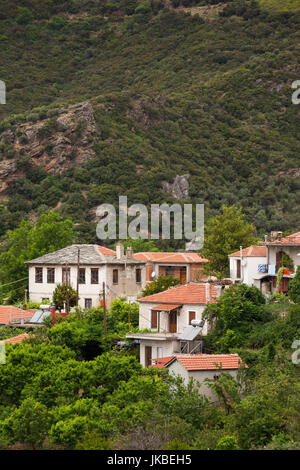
<point x="106" y="251"/>
<point x="209" y="361"/>
<point x="16" y="339"/>
<point x="192" y="293"/>
<point x="293" y="239"/>
<point x="8" y="312"/>
<point x="166" y="257"/>
<point x="253" y="250"/>
<point x="162" y="361"/>
<point x="166" y="307"/>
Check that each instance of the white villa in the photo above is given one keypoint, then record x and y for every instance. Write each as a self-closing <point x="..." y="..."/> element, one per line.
<point x="258" y="265"/>
<point x="173" y="319"/>
<point x="91" y="265"/>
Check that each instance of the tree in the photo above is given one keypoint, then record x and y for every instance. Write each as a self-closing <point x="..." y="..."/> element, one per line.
<point x="24" y="16"/>
<point x="159" y="285"/>
<point x="60" y="295"/>
<point x="27" y="424"/>
<point x="295" y="287"/>
<point x="238" y="309"/>
<point x="27" y="242"/>
<point x="140" y="245"/>
<point x="225" y="234"/>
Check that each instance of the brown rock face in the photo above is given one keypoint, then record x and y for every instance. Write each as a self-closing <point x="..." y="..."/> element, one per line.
<point x="54" y="144"/>
<point x="179" y="188"/>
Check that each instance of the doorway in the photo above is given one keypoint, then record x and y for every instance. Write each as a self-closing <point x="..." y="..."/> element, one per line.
<point x="173" y="321"/>
<point x="148" y="356"/>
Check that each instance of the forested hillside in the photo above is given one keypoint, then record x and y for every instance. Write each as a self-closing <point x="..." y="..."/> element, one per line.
<point x="206" y="94"/>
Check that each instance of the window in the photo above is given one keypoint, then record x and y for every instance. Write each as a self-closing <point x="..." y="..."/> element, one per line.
<point x="38" y="275"/>
<point x="138" y="275"/>
<point x="154" y="319"/>
<point x="115" y="276"/>
<point x="87" y="303"/>
<point x="192" y="316"/>
<point x="170" y="271"/>
<point x="82" y="276"/>
<point x="64" y="280"/>
<point x="238" y="268"/>
<point x="50" y="275"/>
<point x="94" y="276"/>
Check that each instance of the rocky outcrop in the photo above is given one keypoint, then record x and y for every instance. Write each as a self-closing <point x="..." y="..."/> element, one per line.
<point x="54" y="144"/>
<point x="179" y="188"/>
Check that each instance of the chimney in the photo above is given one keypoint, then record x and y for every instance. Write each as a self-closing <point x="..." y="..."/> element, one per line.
<point x="129" y="252"/>
<point x="279" y="236"/>
<point x="120" y="250"/>
<point x="266" y="238"/>
<point x="274" y="236"/>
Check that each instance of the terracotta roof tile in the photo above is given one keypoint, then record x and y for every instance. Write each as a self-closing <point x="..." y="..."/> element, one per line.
<point x="253" y="250"/>
<point x="161" y="361"/>
<point x="16" y="339"/>
<point x="106" y="251"/>
<point x="9" y="312"/>
<point x="166" y="307"/>
<point x="166" y="257"/>
<point x="293" y="239"/>
<point x="192" y="293"/>
<point x="210" y="361"/>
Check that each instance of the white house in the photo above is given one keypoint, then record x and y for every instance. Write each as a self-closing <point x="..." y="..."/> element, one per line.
<point x="91" y="265"/>
<point x="246" y="266"/>
<point x="277" y="247"/>
<point x="258" y="265"/>
<point x="167" y="316"/>
<point x="200" y="367"/>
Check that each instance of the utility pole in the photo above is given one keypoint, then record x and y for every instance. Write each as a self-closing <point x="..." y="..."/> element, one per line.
<point x="104" y="309"/>
<point x="129" y="317"/>
<point x="78" y="264"/>
<point x="67" y="290"/>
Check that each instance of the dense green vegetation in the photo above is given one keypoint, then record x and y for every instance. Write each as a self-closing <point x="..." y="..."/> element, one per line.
<point x="26" y="242"/>
<point x="69" y="387"/>
<point x="172" y="94"/>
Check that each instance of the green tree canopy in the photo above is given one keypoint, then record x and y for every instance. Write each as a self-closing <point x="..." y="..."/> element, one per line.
<point x="29" y="241"/>
<point x="295" y="287"/>
<point x="239" y="308"/>
<point x="224" y="234"/>
<point x="159" y="285"/>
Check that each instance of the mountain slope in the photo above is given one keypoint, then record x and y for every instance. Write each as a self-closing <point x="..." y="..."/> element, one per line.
<point x="171" y="94"/>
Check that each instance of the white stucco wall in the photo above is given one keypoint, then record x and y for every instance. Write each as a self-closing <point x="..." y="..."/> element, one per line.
<point x="182" y="318"/>
<point x="126" y="287"/>
<point x="159" y="349"/>
<point x="40" y="291"/>
<point x="249" y="270"/>
<point x="292" y="251"/>
<point x="198" y="375"/>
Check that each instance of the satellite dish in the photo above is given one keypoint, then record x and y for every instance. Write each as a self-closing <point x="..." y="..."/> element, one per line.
<point x="153" y="274"/>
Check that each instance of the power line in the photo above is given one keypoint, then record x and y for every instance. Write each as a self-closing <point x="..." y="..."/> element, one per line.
<point x="14" y="282"/>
